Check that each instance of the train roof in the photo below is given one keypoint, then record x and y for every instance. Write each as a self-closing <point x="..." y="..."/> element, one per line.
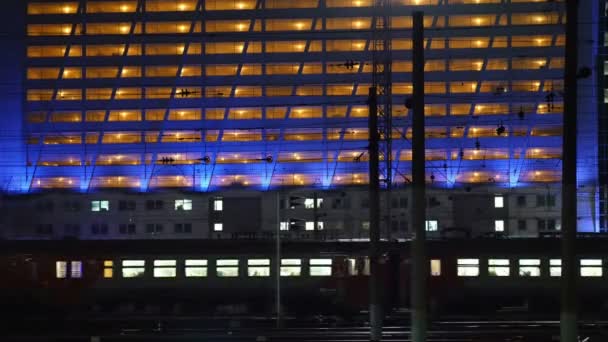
<point x="461" y="247"/>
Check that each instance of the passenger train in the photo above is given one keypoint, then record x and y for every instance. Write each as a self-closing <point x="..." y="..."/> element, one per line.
<point x="237" y="277"/>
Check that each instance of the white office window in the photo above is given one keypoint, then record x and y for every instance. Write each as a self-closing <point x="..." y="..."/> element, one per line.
<point x="61" y="269"/>
<point x="183" y="204"/>
<point x="133" y="268"/>
<point x="435" y="267"/>
<point x="320" y="267"/>
<point x="591" y="268"/>
<point x="498" y="267"/>
<point x="529" y="267"/>
<point x="310" y="225"/>
<point x="218" y="204"/>
<point x="499" y="202"/>
<point x="218" y="227"/>
<point x="431" y="225"/>
<point x="309" y="203"/>
<point x="291" y="267"/>
<point x="165" y="268"/>
<point x="196" y="268"/>
<point x="227" y="268"/>
<point x="555" y="267"/>
<point x="76" y="269"/>
<point x="467" y="267"/>
<point x="284" y="226"/>
<point x="100" y="205"/>
<point x="499" y="225"/>
<point x="258" y="267"/>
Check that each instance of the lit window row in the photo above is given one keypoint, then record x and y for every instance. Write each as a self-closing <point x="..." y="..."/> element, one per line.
<point x="249" y="135"/>
<point x="297" y="46"/>
<point x="199" y="268"/>
<point x="286" y="68"/>
<point x="130" y="6"/>
<point x="280" y="113"/>
<point x="132" y="93"/>
<point x="287" y="179"/>
<point x="526" y="267"/>
<point x="189" y="158"/>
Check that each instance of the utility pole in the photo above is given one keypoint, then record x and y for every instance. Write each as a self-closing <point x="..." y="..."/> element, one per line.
<point x="419" y="257"/>
<point x="278" y="261"/>
<point x="568" y="321"/>
<point x="375" y="319"/>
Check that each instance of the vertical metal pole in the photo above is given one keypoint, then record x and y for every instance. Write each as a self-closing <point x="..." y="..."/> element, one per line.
<point x="419" y="258"/>
<point x="375" y="319"/>
<point x="568" y="322"/>
<point x="278" y="261"/>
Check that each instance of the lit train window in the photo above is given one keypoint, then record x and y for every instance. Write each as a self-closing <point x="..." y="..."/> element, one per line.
<point x="227" y="268"/>
<point x="591" y="268"/>
<point x="196" y="268"/>
<point x="498" y="267"/>
<point x="61" y="269"/>
<point x="258" y="267"/>
<point x="76" y="269"/>
<point x="529" y="267"/>
<point x="555" y="267"/>
<point x="133" y="268"/>
<point x="165" y="269"/>
<point x="468" y="267"/>
<point x="108" y="269"/>
<point x="291" y="267"/>
<point x="435" y="267"/>
<point x="320" y="267"/>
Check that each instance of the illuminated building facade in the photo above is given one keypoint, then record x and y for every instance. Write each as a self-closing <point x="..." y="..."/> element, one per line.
<point x="260" y="95"/>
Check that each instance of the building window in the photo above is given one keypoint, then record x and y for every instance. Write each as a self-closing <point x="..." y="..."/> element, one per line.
<point x="127" y="228"/>
<point x="227" y="268"/>
<point x="499" y="202"/>
<point x="522" y="225"/>
<point x="499" y="225"/>
<point x="133" y="268"/>
<point x="258" y="267"/>
<point x="76" y="269"/>
<point x="541" y="224"/>
<point x="72" y="230"/>
<point x="108" y="269"/>
<point x="435" y="267"/>
<point x="529" y="267"/>
<point x="183" y="204"/>
<point x="310" y="225"/>
<point x="165" y="269"/>
<point x="403" y="202"/>
<point x="551" y="200"/>
<point x="196" y="268"/>
<point x="309" y="203"/>
<point x="61" y="269"/>
<point x="540" y="200"/>
<point x="498" y="267"/>
<point x="154" y="205"/>
<point x="100" y="205"/>
<point x="99" y="229"/>
<point x="218" y="204"/>
<point x="284" y="225"/>
<point x="521" y="201"/>
<point x="72" y="206"/>
<point x="152" y="228"/>
<point x="182" y="228"/>
<point x="365" y="225"/>
<point x="431" y="225"/>
<point x="126" y="205"/>
<point x="320" y="267"/>
<point x="467" y="267"/>
<point x="555" y="267"/>
<point x="591" y="268"/>
<point x="365" y="203"/>
<point x="218" y="227"/>
<point x="291" y="267"/>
